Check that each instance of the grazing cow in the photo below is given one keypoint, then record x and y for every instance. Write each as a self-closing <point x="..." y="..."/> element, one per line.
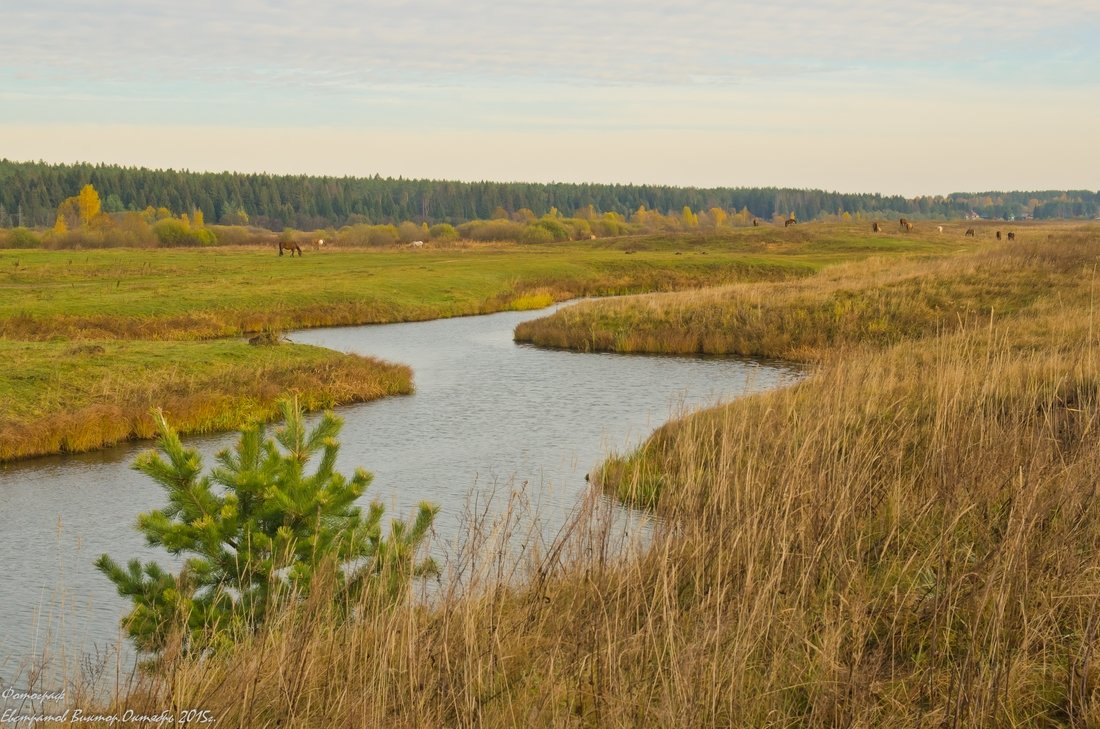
<point x="1011" y="235"/>
<point x="875" y="228"/>
<point x="939" y="228"/>
<point x="970" y="232"/>
<point x="902" y="222"/>
<point x="998" y="235"/>
<point x="417" y="244"/>
<point x="789" y="222"/>
<point x="291" y="246"/>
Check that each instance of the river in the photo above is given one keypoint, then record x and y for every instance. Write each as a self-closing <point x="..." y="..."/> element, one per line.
<point x="488" y="416"/>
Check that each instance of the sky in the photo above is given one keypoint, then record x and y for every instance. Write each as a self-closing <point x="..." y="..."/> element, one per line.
<point x="861" y="96"/>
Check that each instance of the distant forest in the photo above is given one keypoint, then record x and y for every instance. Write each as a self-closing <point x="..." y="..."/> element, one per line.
<point x="30" y="193"/>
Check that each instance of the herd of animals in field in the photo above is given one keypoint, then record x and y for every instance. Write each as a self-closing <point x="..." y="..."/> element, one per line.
<point x="909" y="227"/>
<point x="876" y="227"/>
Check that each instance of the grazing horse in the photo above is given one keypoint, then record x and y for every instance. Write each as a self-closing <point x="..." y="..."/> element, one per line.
<point x="291" y="246"/>
<point x="789" y="222"/>
<point x="902" y="223"/>
<point x="998" y="235"/>
<point x="318" y="244"/>
<point x="969" y="232"/>
<point x="1011" y="235"/>
<point x="875" y="228"/>
<point x="909" y="226"/>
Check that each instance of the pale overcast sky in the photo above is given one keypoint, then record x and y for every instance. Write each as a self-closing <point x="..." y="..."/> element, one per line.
<point x="866" y="96"/>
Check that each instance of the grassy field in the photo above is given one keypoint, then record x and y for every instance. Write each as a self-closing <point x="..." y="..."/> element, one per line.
<point x="100" y="336"/>
<point x="909" y="537"/>
<point x="193" y="294"/>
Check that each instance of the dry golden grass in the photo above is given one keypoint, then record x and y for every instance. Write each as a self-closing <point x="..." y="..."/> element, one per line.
<point x="910" y="537"/>
<point x="871" y="301"/>
<point x="79" y="407"/>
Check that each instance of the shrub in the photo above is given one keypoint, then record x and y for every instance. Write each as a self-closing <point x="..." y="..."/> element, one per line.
<point x="535" y="234"/>
<point x="172" y="232"/>
<point x="491" y="230"/>
<point x="408" y="231"/>
<point x="606" y="228"/>
<point x="367" y="235"/>
<point x="558" y="232"/>
<point x="239" y="235"/>
<point x="442" y="231"/>
<point x="257" y="531"/>
<point x="21" y="238"/>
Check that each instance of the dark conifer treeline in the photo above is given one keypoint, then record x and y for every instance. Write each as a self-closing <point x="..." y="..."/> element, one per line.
<point x="31" y="191"/>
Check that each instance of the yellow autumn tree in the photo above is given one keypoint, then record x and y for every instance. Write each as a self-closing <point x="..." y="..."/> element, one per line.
<point x="719" y="216"/>
<point x="588" y="212"/>
<point x="89" y="205"/>
<point x="690" y="219"/>
<point x="68" y="215"/>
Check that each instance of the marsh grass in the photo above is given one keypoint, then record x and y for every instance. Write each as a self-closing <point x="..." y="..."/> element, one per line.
<point x="875" y="300"/>
<point x="70" y="397"/>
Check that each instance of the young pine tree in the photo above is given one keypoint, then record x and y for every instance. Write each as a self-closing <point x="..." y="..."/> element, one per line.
<point x="256" y="531"/>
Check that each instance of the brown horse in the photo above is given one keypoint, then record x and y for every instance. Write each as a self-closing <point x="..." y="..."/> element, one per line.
<point x="902" y="223"/>
<point x="1011" y="235"/>
<point x="755" y="222"/>
<point x="789" y="222"/>
<point x="909" y="226"/>
<point x="998" y="235"/>
<point x="875" y="228"/>
<point x="969" y="232"/>
<point x="291" y="246"/>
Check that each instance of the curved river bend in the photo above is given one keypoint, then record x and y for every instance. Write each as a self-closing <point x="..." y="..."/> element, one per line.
<point x="487" y="416"/>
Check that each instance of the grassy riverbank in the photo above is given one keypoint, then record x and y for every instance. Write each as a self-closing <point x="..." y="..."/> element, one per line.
<point x="149" y="315"/>
<point x="75" y="396"/>
<point x="876" y="300"/>
<point x="908" y="537"/>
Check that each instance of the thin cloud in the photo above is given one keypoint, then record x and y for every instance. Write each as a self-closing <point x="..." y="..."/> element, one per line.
<point x="481" y="43"/>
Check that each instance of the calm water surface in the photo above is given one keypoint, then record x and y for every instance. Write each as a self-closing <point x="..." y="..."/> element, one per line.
<point x="487" y="416"/>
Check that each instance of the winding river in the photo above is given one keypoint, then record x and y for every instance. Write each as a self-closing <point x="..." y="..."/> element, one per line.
<point x="489" y="417"/>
